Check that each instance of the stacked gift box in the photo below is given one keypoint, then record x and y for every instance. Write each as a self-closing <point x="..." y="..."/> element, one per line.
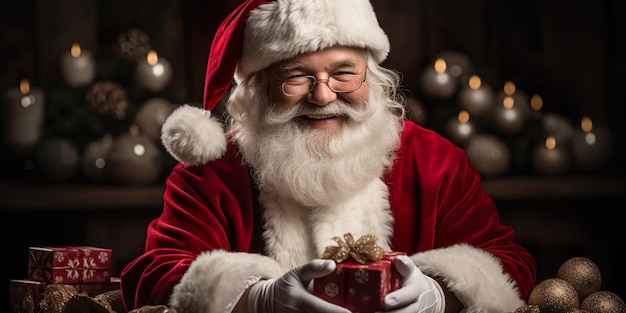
<point x="85" y="268"/>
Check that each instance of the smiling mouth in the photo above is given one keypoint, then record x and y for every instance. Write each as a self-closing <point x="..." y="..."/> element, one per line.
<point x="320" y="116"/>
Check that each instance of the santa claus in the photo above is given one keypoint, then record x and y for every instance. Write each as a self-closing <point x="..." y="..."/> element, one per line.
<point x="313" y="145"/>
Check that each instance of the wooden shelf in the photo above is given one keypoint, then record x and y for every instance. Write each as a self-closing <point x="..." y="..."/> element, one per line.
<point x="565" y="187"/>
<point x="19" y="196"/>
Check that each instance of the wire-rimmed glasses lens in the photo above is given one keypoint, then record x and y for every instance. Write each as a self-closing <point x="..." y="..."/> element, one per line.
<point x="302" y="85"/>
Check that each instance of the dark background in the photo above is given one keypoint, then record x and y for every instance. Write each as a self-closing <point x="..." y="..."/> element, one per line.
<point x="571" y="53"/>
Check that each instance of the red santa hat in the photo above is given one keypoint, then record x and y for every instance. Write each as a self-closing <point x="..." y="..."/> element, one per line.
<point x="254" y="36"/>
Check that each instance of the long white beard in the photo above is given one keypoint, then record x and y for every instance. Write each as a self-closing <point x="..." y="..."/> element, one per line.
<point x="313" y="167"/>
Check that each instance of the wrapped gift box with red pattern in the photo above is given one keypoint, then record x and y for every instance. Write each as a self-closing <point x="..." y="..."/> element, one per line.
<point x="25" y="295"/>
<point x="69" y="264"/>
<point x="359" y="285"/>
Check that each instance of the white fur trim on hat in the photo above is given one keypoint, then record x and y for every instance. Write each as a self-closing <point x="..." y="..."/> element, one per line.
<point x="192" y="136"/>
<point x="282" y="29"/>
<point x="476" y="277"/>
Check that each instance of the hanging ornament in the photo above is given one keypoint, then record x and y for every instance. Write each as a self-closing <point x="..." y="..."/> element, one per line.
<point x="94" y="163"/>
<point x="154" y="72"/>
<point x="583" y="274"/>
<point x="554" y="295"/>
<point x="56" y="159"/>
<point x="23" y="117"/>
<point x="151" y="115"/>
<point x="437" y="82"/>
<point x="592" y="146"/>
<point x="133" y="44"/>
<point x="108" y="97"/>
<point x="477" y="98"/>
<point x="78" y="66"/>
<point x="134" y="160"/>
<point x="489" y="154"/>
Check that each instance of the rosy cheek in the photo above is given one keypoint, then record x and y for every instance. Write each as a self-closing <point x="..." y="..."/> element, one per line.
<point x="279" y="97"/>
<point x="357" y="98"/>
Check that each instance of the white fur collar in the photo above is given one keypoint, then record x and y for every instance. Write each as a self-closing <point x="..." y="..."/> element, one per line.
<point x="296" y="234"/>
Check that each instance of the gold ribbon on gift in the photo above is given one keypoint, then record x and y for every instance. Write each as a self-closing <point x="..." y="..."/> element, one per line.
<point x="362" y="250"/>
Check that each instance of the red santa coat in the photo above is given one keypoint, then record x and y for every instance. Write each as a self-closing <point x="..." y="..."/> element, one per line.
<point x="197" y="257"/>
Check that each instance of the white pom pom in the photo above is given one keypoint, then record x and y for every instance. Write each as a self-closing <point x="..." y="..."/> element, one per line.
<point x="192" y="136"/>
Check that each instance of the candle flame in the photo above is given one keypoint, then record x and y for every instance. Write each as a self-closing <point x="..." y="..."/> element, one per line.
<point x="75" y="50"/>
<point x="463" y="117"/>
<point x="440" y="65"/>
<point x="24" y="86"/>
<point x="585" y="124"/>
<point x="551" y="143"/>
<point x="152" y="58"/>
<point x="536" y="102"/>
<point x="508" y="102"/>
<point x="509" y="88"/>
<point x="474" y="82"/>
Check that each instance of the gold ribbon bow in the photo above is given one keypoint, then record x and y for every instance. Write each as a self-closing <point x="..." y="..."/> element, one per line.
<point x="362" y="250"/>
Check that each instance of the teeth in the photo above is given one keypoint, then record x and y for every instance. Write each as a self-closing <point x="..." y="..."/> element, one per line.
<point x="320" y="117"/>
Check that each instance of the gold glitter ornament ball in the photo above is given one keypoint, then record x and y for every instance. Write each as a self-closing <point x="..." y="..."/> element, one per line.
<point x="527" y="308"/>
<point x="554" y="295"/>
<point x="583" y="274"/>
<point x="603" y="302"/>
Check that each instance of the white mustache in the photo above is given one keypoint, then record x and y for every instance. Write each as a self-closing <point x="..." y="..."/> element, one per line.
<point x="275" y="115"/>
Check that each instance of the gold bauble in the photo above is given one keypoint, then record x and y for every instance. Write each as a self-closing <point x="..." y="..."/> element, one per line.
<point x="603" y="302"/>
<point x="527" y="308"/>
<point x="554" y="295"/>
<point x="583" y="274"/>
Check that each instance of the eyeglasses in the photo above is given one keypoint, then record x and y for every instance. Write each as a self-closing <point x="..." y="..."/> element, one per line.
<point x="304" y="84"/>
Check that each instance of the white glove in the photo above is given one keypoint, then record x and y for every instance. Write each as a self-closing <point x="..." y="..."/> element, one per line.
<point x="418" y="294"/>
<point x="289" y="293"/>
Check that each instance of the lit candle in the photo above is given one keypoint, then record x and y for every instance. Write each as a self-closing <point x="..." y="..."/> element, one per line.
<point x="24" y="117"/>
<point x="548" y="158"/>
<point x="134" y="159"/>
<point x="592" y="146"/>
<point x="154" y="73"/>
<point x="78" y="66"/>
<point x="512" y="110"/>
<point x="460" y="65"/>
<point x="437" y="81"/>
<point x="558" y="126"/>
<point x="460" y="129"/>
<point x="477" y="98"/>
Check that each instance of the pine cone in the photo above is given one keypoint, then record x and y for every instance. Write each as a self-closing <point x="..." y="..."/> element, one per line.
<point x="107" y="97"/>
<point x="133" y="44"/>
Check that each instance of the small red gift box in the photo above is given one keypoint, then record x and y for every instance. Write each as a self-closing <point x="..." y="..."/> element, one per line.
<point x="26" y="295"/>
<point x="69" y="265"/>
<point x="358" y="287"/>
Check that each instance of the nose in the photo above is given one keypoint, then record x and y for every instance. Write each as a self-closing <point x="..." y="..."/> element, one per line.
<point x="321" y="93"/>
